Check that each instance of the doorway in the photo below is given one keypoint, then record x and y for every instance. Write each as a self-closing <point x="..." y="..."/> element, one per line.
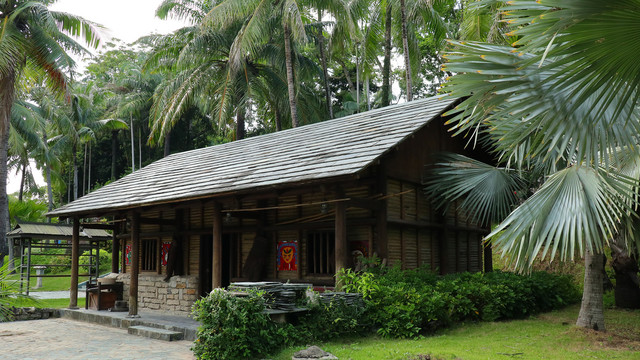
<point x="230" y="251"/>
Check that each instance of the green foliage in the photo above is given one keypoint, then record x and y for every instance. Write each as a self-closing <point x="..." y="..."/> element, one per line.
<point x="234" y="327"/>
<point x="238" y="327"/>
<point x="26" y="210"/>
<point x="404" y="304"/>
<point x="10" y="294"/>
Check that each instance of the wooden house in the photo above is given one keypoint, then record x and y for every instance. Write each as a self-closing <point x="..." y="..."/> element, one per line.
<point x="296" y="205"/>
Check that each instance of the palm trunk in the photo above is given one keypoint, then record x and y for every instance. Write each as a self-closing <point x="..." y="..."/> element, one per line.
<point x="22" y="179"/>
<point x="89" y="171"/>
<point x="140" y="147"/>
<point x="290" y="78"/>
<point x="84" y="170"/>
<point x="323" y="61"/>
<point x="405" y="46"/>
<point x="278" y="119"/>
<point x="592" y="310"/>
<point x="240" y="133"/>
<point x="386" y="69"/>
<point x="49" y="190"/>
<point x="47" y="167"/>
<point x="75" y="171"/>
<point x="347" y="75"/>
<point x="133" y="146"/>
<point x="114" y="151"/>
<point x="7" y="83"/>
<point x="167" y="144"/>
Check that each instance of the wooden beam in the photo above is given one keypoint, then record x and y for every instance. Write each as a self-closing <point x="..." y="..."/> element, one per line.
<point x="216" y="273"/>
<point x="135" y="264"/>
<point x="115" y="251"/>
<point x="98" y="226"/>
<point x="75" y="263"/>
<point x="160" y="221"/>
<point x="341" y="248"/>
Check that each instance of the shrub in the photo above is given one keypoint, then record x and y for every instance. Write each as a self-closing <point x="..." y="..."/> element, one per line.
<point x="235" y="327"/>
<point x="405" y="306"/>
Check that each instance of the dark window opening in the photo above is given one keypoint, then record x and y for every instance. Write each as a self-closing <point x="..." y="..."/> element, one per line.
<point x="320" y="253"/>
<point x="149" y="261"/>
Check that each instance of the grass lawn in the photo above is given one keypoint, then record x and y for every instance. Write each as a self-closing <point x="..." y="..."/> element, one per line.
<point x="547" y="336"/>
<point x="58" y="303"/>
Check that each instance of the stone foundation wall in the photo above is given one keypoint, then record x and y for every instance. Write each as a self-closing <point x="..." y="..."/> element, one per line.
<point x="175" y="296"/>
<point x="32" y="313"/>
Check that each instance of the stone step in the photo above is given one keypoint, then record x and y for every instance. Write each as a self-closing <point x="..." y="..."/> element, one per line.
<point x="155" y="333"/>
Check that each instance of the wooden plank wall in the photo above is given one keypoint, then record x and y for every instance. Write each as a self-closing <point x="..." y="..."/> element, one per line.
<point x="416" y="236"/>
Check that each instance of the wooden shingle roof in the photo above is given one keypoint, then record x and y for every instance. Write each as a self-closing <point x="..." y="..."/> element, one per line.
<point x="332" y="148"/>
<point x="49" y="231"/>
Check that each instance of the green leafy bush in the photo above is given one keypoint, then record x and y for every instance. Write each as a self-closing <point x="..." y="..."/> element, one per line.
<point x="235" y="327"/>
<point x="405" y="306"/>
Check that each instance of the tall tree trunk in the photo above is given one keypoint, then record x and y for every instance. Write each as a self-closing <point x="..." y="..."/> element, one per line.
<point x="22" y="180"/>
<point x="114" y="152"/>
<point x="592" y="310"/>
<point x="140" y="147"/>
<point x="133" y="146"/>
<point x="357" y="77"/>
<point x="47" y="167"/>
<point x="240" y="132"/>
<point x="167" y="144"/>
<point x="74" y="153"/>
<point x="347" y="75"/>
<point x="386" y="68"/>
<point x="323" y="62"/>
<point x="366" y="92"/>
<point x="49" y="190"/>
<point x="84" y="170"/>
<point x="89" y="171"/>
<point x="625" y="265"/>
<point x="290" y="77"/>
<point x="7" y="82"/>
<point x="278" y="118"/>
<point x="405" y="46"/>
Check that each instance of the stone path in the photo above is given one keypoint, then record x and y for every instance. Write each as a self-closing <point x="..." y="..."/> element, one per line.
<point x="67" y="339"/>
<point x="54" y="294"/>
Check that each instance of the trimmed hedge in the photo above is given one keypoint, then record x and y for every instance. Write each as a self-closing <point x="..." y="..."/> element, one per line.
<point x="406" y="303"/>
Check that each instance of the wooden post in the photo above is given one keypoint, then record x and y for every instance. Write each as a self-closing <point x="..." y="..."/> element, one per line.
<point x="75" y="263"/>
<point x="115" y="250"/>
<point x="341" y="248"/>
<point x="135" y="264"/>
<point x="216" y="273"/>
<point x="381" y="216"/>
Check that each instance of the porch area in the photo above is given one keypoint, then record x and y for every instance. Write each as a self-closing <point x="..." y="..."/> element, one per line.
<point x="151" y="324"/>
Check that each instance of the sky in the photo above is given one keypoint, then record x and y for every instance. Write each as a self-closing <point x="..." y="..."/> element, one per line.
<point x="126" y="20"/>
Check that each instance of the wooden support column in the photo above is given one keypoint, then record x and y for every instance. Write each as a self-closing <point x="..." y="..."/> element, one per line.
<point x="135" y="264"/>
<point x="216" y="273"/>
<point x="75" y="263"/>
<point x="115" y="250"/>
<point x="341" y="248"/>
<point x="381" y="217"/>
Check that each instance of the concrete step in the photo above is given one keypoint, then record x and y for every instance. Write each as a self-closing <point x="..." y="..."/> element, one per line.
<point x="155" y="333"/>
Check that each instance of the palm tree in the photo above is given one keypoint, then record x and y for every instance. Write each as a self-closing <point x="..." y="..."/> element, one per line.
<point x="258" y="23"/>
<point x="563" y="97"/>
<point x="34" y="39"/>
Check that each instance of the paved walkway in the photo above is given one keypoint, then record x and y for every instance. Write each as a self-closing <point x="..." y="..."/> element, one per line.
<point x="42" y="295"/>
<point x="67" y="339"/>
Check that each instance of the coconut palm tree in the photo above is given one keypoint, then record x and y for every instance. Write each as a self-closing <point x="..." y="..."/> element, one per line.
<point x="33" y="40"/>
<point x="562" y="97"/>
